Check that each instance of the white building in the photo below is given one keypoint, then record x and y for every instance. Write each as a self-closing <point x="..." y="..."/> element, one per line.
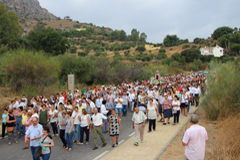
<point x="216" y="51"/>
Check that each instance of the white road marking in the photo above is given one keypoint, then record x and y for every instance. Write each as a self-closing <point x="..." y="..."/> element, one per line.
<point x="121" y="142"/>
<point x="130" y="135"/>
<point x="101" y="155"/>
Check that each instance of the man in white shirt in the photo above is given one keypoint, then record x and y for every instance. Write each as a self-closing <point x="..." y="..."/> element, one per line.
<point x="97" y="121"/>
<point x="197" y="94"/>
<point x="195" y="139"/>
<point x="138" y="122"/>
<point x="24" y="101"/>
<point x="119" y="102"/>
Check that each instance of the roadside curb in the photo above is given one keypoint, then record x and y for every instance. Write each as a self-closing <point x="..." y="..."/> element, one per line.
<point x="164" y="148"/>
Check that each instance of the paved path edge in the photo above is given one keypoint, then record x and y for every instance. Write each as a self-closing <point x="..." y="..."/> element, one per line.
<point x="159" y="154"/>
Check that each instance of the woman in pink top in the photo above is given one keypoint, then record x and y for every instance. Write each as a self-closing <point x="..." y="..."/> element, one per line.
<point x="167" y="109"/>
<point x="27" y="124"/>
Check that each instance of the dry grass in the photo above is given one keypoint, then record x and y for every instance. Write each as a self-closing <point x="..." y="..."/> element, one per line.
<point x="227" y="144"/>
<point x="223" y="140"/>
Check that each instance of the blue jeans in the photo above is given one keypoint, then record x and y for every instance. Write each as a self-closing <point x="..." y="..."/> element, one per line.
<point x="69" y="139"/>
<point x="46" y="156"/>
<point x="23" y="130"/>
<point x="34" y="150"/>
<point x="188" y="107"/>
<point x="118" y="110"/>
<point x="76" y="127"/>
<point x="160" y="108"/>
<point x="18" y="125"/>
<point x="124" y="109"/>
<point x="105" y="126"/>
<point x="115" y="106"/>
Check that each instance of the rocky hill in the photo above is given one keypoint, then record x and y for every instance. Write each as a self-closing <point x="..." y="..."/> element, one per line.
<point x="28" y="8"/>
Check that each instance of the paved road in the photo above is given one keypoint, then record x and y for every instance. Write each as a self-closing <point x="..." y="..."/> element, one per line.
<point x="84" y="151"/>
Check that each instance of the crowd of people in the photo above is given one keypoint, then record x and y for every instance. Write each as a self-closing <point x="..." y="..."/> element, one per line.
<point x="72" y="116"/>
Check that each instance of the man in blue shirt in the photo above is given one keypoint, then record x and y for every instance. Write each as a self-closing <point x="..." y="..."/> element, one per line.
<point x="35" y="134"/>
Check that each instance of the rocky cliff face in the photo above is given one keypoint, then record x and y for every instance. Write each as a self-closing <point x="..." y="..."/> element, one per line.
<point x="28" y="8"/>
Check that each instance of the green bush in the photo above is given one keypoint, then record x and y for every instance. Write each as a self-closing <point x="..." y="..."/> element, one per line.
<point x="22" y="20"/>
<point x="194" y="46"/>
<point x="22" y="68"/>
<point x="174" y="64"/>
<point x="162" y="51"/>
<point x="73" y="49"/>
<point x="141" y="48"/>
<point x="167" y="61"/>
<point x="185" y="46"/>
<point x="83" y="54"/>
<point x="222" y="99"/>
<point x="160" y="56"/>
<point x="126" y="53"/>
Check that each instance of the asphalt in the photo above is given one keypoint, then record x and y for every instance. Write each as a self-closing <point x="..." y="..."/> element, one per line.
<point x="14" y="151"/>
<point x="154" y="143"/>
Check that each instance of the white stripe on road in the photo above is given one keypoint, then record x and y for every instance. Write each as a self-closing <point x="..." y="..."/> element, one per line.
<point x="121" y="142"/>
<point x="101" y="155"/>
<point x="130" y="135"/>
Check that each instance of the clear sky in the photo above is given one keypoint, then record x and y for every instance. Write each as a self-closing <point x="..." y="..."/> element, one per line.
<point x="157" y="18"/>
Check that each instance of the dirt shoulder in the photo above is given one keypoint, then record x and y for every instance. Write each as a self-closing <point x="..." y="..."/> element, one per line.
<point x="175" y="150"/>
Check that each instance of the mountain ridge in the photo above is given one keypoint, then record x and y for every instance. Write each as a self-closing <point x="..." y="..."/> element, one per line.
<point x="28" y="8"/>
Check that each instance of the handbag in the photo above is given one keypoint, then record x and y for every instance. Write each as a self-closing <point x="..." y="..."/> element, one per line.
<point x="174" y="111"/>
<point x="9" y="129"/>
<point x="39" y="151"/>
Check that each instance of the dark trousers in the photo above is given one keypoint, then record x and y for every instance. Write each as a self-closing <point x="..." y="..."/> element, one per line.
<point x="152" y="122"/>
<point x="176" y="117"/>
<point x="197" y="99"/>
<point x="124" y="109"/>
<point x="62" y="134"/>
<point x="82" y="131"/>
<point x="3" y="129"/>
<point x="54" y="127"/>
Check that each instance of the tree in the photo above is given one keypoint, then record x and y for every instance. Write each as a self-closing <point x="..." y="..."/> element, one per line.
<point x="171" y="40"/>
<point x="174" y="64"/>
<point x="140" y="48"/>
<point x="10" y="29"/>
<point x="191" y="54"/>
<point x="114" y="35"/>
<point x="162" y="50"/>
<point x="198" y="40"/>
<point x="143" y="37"/>
<point x="197" y="62"/>
<point x="73" y="49"/>
<point x="134" y="35"/>
<point x="176" y="56"/>
<point x="219" y="32"/>
<point x="67" y="17"/>
<point x="49" y="41"/>
<point x="235" y="48"/>
<point x="167" y="61"/>
<point x="122" y="35"/>
<point x="160" y="56"/>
